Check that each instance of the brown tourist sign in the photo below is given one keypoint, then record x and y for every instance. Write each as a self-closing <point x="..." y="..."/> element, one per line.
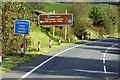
<point x="56" y="19"/>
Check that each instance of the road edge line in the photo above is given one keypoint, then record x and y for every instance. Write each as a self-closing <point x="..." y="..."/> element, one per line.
<point x="35" y="68"/>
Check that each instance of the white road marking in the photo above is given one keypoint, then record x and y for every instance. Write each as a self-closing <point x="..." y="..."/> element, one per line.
<point x="110" y="47"/>
<point x="106" y="51"/>
<point x="104" y="55"/>
<point x="104" y="60"/>
<point x="105" y="70"/>
<point x="28" y="73"/>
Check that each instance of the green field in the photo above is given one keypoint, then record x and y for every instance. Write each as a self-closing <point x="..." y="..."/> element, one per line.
<point x="58" y="7"/>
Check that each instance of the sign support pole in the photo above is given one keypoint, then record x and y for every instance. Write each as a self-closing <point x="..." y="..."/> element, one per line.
<point x="53" y="31"/>
<point x="24" y="43"/>
<point x="65" y="26"/>
<point x="65" y="32"/>
<point x="53" y="26"/>
<point x="17" y="46"/>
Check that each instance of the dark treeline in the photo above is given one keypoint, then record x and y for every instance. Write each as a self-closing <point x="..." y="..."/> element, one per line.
<point x="110" y="3"/>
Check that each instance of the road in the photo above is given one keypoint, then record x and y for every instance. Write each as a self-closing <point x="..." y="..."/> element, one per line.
<point x="93" y="59"/>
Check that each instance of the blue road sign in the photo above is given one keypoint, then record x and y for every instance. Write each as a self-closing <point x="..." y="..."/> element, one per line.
<point x="21" y="27"/>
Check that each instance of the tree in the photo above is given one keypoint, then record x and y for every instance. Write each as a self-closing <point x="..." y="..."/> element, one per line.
<point x="98" y="16"/>
<point x="103" y="18"/>
<point x="80" y="10"/>
<point x="108" y="24"/>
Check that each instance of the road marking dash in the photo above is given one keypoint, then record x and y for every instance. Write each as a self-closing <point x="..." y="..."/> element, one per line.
<point x="104" y="60"/>
<point x="105" y="69"/>
<point x="104" y="55"/>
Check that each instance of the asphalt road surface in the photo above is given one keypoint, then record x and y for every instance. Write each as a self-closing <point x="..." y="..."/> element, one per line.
<point x="93" y="59"/>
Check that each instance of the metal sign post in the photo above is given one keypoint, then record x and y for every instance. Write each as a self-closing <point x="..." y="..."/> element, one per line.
<point x="24" y="43"/>
<point x="53" y="26"/>
<point x="65" y="27"/>
<point x="53" y="31"/>
<point x="65" y="32"/>
<point x="17" y="46"/>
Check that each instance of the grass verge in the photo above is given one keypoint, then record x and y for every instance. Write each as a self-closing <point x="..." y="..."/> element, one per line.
<point x="10" y="62"/>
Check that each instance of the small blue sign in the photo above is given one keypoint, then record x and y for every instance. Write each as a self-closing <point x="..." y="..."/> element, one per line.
<point x="69" y="21"/>
<point x="21" y="27"/>
<point x="48" y="16"/>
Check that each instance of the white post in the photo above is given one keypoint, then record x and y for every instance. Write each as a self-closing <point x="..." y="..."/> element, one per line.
<point x="103" y="35"/>
<point x="22" y="51"/>
<point x="50" y="43"/>
<point x="38" y="45"/>
<point x="69" y="39"/>
<point x="82" y="37"/>
<point x="65" y="26"/>
<point x="75" y="38"/>
<point x="59" y="41"/>
<point x="53" y="26"/>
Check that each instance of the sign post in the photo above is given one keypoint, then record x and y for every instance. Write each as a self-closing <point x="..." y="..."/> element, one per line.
<point x="24" y="43"/>
<point x="65" y="27"/>
<point x="53" y="26"/>
<point x="17" y="46"/>
<point x="21" y="27"/>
